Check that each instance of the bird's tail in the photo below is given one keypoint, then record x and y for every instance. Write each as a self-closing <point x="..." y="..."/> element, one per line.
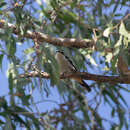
<point x="82" y="83"/>
<point x="85" y="85"/>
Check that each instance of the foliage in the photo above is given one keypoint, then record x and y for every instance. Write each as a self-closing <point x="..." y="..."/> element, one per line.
<point x="106" y="22"/>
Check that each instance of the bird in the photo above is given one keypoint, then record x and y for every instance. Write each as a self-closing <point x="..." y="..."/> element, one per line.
<point x="66" y="65"/>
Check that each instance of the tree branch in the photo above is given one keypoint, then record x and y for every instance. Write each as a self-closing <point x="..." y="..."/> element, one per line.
<point x="83" y="75"/>
<point x="41" y="37"/>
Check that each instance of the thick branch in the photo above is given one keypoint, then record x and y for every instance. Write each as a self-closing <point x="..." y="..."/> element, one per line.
<point x="41" y="37"/>
<point x="84" y="75"/>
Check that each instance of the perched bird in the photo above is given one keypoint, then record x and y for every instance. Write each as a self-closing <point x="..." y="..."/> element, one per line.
<point x="66" y="65"/>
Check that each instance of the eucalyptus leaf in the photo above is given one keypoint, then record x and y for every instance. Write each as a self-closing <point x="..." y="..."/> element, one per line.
<point x="123" y="31"/>
<point x="107" y="32"/>
<point x="1" y="58"/>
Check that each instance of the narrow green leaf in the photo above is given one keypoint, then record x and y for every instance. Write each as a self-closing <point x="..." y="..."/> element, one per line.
<point x="2" y="4"/>
<point x="113" y="64"/>
<point x="12" y="46"/>
<point x="1" y="58"/>
<point x="3" y="103"/>
<point x="113" y="112"/>
<point x="126" y="125"/>
<point x="109" y="57"/>
<point x="123" y="100"/>
<point x="25" y="99"/>
<point x="98" y="119"/>
<point x="116" y="6"/>
<point x="29" y="51"/>
<point x="122" y="31"/>
<point x="107" y="32"/>
<point x="111" y="96"/>
<point x="1" y="122"/>
<point x="119" y="42"/>
<point x="8" y="124"/>
<point x="92" y="60"/>
<point x="10" y="81"/>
